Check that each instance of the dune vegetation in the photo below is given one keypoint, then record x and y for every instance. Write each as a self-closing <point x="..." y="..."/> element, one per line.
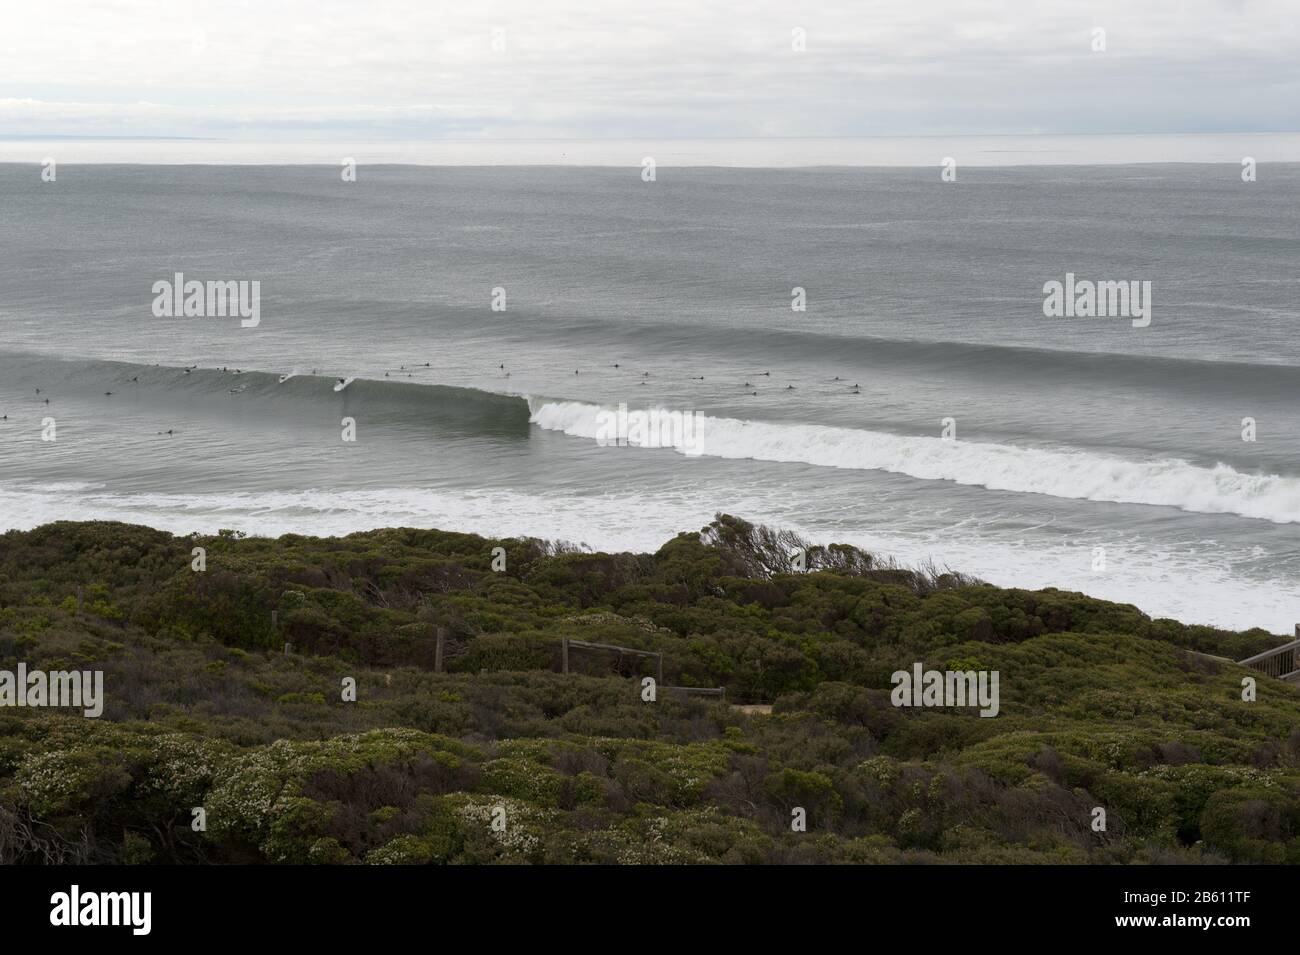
<point x="217" y="744"/>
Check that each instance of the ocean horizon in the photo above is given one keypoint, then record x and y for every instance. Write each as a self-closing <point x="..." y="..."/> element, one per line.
<point x="772" y="152"/>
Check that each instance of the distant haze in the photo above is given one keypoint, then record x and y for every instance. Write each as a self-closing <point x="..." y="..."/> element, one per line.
<point x="967" y="151"/>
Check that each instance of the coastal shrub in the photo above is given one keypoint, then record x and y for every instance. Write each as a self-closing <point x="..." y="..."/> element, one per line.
<point x="1256" y="823"/>
<point x="505" y="651"/>
<point x="1100" y="706"/>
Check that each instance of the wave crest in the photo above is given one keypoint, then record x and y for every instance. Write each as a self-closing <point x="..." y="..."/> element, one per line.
<point x="1058" y="472"/>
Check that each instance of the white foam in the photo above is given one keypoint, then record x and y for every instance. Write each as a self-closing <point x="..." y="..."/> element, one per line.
<point x="1194" y="586"/>
<point x="1061" y="472"/>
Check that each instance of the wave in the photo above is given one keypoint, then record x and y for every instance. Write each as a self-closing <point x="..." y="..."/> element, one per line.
<point x="281" y="393"/>
<point x="1070" y="473"/>
<point x="1058" y="472"/>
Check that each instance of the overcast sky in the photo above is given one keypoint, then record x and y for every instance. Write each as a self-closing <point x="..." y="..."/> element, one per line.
<point x="664" y="68"/>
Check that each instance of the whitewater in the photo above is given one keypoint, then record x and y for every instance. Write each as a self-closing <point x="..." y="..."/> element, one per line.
<point x="1065" y="472"/>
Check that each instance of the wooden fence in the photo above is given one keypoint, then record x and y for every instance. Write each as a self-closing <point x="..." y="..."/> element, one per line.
<point x="1281" y="662"/>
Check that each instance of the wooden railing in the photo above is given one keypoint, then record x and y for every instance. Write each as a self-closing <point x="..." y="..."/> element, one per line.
<point x="567" y="645"/>
<point x="718" y="692"/>
<point x="1281" y="662"/>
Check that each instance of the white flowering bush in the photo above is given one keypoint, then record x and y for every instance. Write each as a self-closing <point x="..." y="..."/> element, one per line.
<point x="404" y="850"/>
<point x="521" y="837"/>
<point x="181" y="767"/>
<point x="258" y="797"/>
<point x="62" y="781"/>
<point x="688" y="769"/>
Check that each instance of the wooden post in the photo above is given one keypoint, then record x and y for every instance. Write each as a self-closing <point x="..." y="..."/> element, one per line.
<point x="564" y="654"/>
<point x="659" y="679"/>
<point x="275" y="619"/>
<point x="286" y="649"/>
<point x="437" y="653"/>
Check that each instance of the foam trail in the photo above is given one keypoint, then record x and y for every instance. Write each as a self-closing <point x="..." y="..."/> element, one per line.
<point x="1059" y="472"/>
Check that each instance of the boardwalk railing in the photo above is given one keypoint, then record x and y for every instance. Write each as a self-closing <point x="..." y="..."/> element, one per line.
<point x="719" y="692"/>
<point x="566" y="645"/>
<point x="1282" y="662"/>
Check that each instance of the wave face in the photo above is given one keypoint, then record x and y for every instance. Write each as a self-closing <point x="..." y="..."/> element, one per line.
<point x="1064" y="473"/>
<point x="469" y="410"/>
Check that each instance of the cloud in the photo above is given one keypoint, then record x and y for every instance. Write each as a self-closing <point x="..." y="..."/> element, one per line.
<point x="590" y="68"/>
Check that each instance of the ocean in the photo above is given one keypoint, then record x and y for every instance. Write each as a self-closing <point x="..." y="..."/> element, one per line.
<point x="1084" y="453"/>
